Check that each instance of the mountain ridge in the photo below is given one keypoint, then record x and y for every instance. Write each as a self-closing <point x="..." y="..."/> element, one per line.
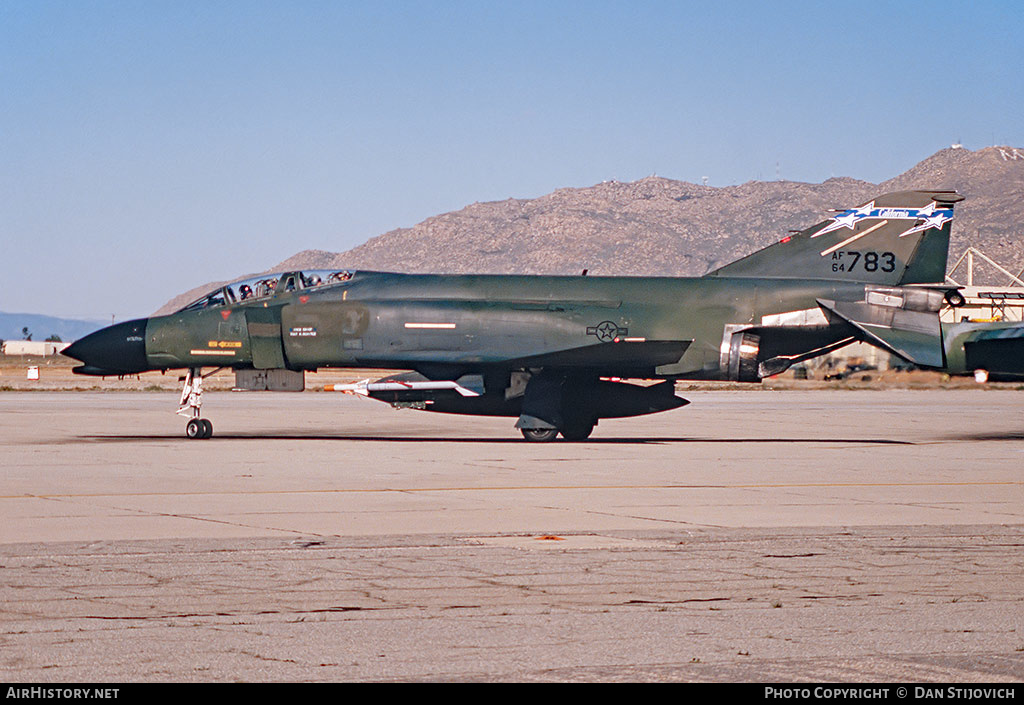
<point x="41" y="327"/>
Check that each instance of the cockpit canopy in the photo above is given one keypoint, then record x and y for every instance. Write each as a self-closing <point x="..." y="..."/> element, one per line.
<point x="266" y="285"/>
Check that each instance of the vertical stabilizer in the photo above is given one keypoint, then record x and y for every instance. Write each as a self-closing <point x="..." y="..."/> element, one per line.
<point x="894" y="239"/>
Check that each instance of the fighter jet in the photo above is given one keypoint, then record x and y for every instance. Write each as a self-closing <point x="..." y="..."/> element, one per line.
<point x="560" y="353"/>
<point x="989" y="351"/>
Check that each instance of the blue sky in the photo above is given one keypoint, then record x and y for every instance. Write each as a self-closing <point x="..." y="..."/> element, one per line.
<point x="148" y="147"/>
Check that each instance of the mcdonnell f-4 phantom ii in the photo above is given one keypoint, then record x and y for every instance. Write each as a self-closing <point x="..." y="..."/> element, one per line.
<point x="559" y="353"/>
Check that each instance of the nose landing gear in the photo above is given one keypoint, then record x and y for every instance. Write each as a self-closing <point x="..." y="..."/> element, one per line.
<point x="199" y="428"/>
<point x="191" y="404"/>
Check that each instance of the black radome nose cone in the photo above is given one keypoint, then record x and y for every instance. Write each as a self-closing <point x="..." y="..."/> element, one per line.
<point x="116" y="350"/>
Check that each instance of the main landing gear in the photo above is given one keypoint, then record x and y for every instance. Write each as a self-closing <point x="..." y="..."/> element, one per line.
<point x="571" y="432"/>
<point x="539" y="435"/>
<point x="191" y="403"/>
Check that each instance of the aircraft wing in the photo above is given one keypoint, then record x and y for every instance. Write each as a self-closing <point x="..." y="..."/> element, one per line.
<point x="612" y="359"/>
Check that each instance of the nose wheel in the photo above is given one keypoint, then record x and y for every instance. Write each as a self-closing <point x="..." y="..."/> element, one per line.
<point x="191" y="405"/>
<point x="199" y="428"/>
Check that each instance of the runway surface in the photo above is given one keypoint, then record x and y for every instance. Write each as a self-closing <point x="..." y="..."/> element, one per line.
<point x="825" y="535"/>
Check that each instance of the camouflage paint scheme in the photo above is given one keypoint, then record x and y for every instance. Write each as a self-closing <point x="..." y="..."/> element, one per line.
<point x="552" y="350"/>
<point x="996" y="349"/>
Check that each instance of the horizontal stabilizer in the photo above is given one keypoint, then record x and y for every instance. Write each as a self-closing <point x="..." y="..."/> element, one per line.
<point x="915" y="336"/>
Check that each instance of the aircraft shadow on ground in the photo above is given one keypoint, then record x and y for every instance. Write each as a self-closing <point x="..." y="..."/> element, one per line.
<point x="383" y="438"/>
<point x="1002" y="436"/>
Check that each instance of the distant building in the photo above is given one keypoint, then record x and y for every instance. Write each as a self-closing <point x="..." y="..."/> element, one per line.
<point x="32" y="347"/>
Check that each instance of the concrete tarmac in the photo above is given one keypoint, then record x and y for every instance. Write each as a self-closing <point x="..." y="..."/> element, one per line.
<point x="780" y="536"/>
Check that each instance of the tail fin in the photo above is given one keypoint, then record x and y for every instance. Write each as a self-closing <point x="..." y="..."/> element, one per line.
<point x="898" y="238"/>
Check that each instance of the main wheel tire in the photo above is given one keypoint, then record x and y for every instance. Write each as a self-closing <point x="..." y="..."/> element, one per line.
<point x="577" y="432"/>
<point x="195" y="428"/>
<point x="539" y="435"/>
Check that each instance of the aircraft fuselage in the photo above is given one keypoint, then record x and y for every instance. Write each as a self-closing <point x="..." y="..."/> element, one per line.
<point x="444" y="326"/>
